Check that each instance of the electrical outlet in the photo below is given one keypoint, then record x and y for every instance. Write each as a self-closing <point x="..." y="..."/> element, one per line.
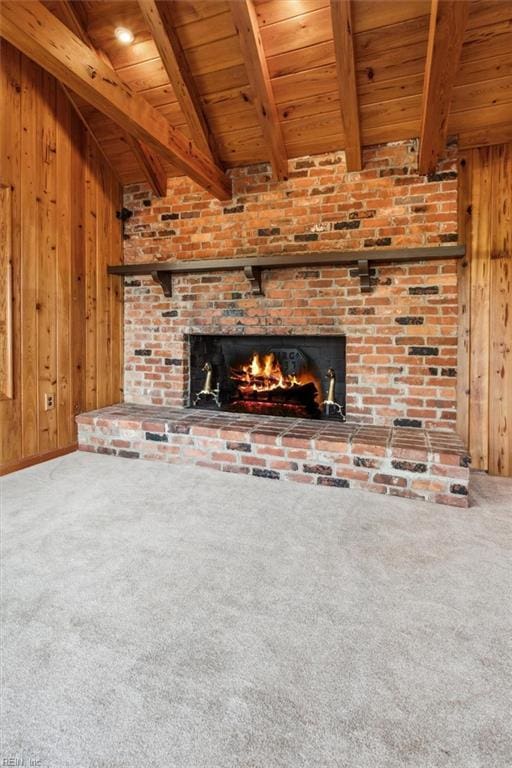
<point x="49" y="402"/>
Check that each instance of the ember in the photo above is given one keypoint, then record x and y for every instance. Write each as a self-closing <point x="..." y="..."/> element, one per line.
<point x="263" y="387"/>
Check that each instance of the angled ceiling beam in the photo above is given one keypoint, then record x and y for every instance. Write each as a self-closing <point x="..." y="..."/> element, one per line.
<point x="151" y="165"/>
<point x="71" y="13"/>
<point x="448" y="20"/>
<point x="160" y="24"/>
<point x="246" y="23"/>
<point x="71" y="98"/>
<point x="341" y="16"/>
<point x="37" y="33"/>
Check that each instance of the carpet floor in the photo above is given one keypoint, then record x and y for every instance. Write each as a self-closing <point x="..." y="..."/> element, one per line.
<point x="157" y="615"/>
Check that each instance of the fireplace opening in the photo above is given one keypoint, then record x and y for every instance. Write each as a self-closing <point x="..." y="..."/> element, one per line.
<point x="295" y="376"/>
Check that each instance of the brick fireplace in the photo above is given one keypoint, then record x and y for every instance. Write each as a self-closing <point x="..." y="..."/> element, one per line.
<point x="400" y="340"/>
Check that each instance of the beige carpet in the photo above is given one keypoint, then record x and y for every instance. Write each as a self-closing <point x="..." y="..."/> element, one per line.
<point x="183" y="618"/>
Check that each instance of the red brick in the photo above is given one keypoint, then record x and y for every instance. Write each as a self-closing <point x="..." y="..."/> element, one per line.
<point x="393" y="480"/>
<point x="279" y="464"/>
<point x="362" y="449"/>
<point x="84" y="418"/>
<point x="404" y="493"/>
<point x="453" y="501"/>
<point x="269" y="450"/>
<point x="451" y="459"/>
<point x="264" y="438"/>
<point x="352" y="474"/>
<point x="204" y="431"/>
<point x="253" y="461"/>
<point x="298" y="478"/>
<point x="413" y="454"/>
<point x="153" y="426"/>
<point x="236" y="468"/>
<point x="228" y="458"/>
<point x="426" y="484"/>
<point x="333" y="446"/>
<point x="233" y="434"/>
<point x="455" y="473"/>
<point x="295" y="442"/>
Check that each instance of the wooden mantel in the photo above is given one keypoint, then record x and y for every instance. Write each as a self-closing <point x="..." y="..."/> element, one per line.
<point x="252" y="266"/>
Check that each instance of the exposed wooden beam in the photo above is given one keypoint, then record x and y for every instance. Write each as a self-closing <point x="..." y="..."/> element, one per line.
<point x="151" y="164"/>
<point x="72" y="100"/>
<point x="71" y="13"/>
<point x="448" y="20"/>
<point x="37" y="33"/>
<point x="158" y="19"/>
<point x="246" y="23"/>
<point x="341" y="16"/>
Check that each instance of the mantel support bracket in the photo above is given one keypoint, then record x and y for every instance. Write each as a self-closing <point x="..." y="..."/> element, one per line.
<point x="363" y="271"/>
<point x="252" y="266"/>
<point x="165" y="280"/>
<point x="253" y="274"/>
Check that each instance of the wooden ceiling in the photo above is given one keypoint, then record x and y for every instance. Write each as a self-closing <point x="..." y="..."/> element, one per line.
<point x="390" y="56"/>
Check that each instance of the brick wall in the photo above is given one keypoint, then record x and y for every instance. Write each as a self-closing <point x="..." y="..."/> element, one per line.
<point x="401" y="339"/>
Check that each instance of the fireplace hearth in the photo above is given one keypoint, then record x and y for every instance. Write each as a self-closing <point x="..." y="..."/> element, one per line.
<point x="285" y="376"/>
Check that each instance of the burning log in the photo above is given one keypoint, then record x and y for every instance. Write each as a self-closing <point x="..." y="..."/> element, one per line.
<point x="264" y="388"/>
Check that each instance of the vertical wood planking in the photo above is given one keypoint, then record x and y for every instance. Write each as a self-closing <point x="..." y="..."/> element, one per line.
<point x="91" y="244"/>
<point x="117" y="295"/>
<point x="480" y="268"/>
<point x="46" y="160"/>
<point x="64" y="196"/>
<point x="116" y="299"/>
<point x="31" y="84"/>
<point x="485" y="343"/>
<point x="78" y="148"/>
<point x="6" y="294"/>
<point x="103" y="340"/>
<point x="500" y="367"/>
<point x="464" y="295"/>
<point x="10" y="152"/>
<point x="47" y="282"/>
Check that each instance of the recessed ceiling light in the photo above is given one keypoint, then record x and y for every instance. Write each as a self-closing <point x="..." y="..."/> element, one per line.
<point x="124" y="35"/>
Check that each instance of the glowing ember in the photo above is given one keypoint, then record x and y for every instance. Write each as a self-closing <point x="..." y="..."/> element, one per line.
<point x="263" y="387"/>
<point x="263" y="374"/>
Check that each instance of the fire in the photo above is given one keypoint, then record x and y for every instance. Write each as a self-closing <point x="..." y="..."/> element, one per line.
<point x="264" y="388"/>
<point x="263" y="374"/>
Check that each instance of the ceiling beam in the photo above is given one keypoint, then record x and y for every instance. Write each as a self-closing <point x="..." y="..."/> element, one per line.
<point x="71" y="98"/>
<point x="246" y="23"/>
<point x="158" y="19"/>
<point x="71" y="13"/>
<point x="37" y="33"/>
<point x="151" y="164"/>
<point x="341" y="16"/>
<point x="448" y="20"/>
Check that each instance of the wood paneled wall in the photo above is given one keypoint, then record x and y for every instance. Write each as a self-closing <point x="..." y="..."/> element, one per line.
<point x="67" y="314"/>
<point x="485" y="338"/>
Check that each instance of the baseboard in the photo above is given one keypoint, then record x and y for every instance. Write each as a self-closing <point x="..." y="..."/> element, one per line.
<point x="13" y="466"/>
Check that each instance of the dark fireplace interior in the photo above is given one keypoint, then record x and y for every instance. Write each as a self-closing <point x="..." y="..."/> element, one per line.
<point x="296" y="376"/>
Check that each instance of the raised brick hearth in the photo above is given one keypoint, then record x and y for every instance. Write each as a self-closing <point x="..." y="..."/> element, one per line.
<point x="415" y="463"/>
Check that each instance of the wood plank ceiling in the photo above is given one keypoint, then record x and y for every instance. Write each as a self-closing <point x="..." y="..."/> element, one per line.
<point x="390" y="41"/>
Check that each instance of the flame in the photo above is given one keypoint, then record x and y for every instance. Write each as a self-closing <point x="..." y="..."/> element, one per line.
<point x="264" y="374"/>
